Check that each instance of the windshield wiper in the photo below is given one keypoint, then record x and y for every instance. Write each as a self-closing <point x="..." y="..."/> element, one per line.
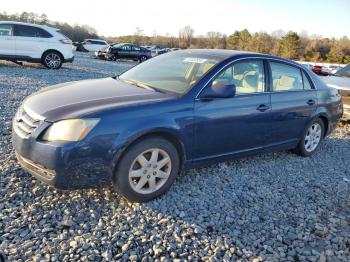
<point x="143" y="85"/>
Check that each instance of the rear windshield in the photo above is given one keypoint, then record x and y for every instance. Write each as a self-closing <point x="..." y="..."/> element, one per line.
<point x="60" y="33"/>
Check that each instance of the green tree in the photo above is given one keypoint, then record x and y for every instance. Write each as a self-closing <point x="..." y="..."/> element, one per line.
<point x="262" y="43"/>
<point x="290" y="46"/>
<point x="239" y="40"/>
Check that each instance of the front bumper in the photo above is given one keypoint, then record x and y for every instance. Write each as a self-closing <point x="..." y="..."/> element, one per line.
<point x="63" y="165"/>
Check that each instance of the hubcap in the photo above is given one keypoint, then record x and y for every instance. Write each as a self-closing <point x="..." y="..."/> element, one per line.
<point x="313" y="137"/>
<point x="149" y="171"/>
<point x="53" y="60"/>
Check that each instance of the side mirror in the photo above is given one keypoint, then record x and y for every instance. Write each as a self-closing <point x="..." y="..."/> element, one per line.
<point x="219" y="90"/>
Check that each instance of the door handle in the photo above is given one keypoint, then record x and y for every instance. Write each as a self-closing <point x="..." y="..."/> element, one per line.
<point x="262" y="108"/>
<point x="310" y="102"/>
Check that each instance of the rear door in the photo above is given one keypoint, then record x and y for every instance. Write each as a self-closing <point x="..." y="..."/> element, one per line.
<point x="31" y="41"/>
<point x="7" y="41"/>
<point x="294" y="101"/>
<point x="135" y="52"/>
<point x="124" y="51"/>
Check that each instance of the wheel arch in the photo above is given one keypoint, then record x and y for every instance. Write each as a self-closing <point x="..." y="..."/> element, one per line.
<point x="324" y="118"/>
<point x="169" y="135"/>
<point x="55" y="50"/>
<point x="325" y="121"/>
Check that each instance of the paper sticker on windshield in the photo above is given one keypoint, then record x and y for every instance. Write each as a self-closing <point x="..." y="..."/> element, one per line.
<point x="194" y="60"/>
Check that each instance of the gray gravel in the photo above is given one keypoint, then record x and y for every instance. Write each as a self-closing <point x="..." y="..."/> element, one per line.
<point x="271" y="207"/>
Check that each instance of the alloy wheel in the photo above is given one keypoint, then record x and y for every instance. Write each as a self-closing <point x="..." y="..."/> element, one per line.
<point x="313" y="137"/>
<point x="53" y="60"/>
<point x="149" y="171"/>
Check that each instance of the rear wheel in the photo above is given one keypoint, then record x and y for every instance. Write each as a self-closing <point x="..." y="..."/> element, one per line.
<point x="311" y="139"/>
<point x="143" y="58"/>
<point x="52" y="60"/>
<point x="147" y="169"/>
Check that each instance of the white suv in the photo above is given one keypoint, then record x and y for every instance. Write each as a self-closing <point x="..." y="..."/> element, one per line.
<point x="92" y="45"/>
<point x="34" y="43"/>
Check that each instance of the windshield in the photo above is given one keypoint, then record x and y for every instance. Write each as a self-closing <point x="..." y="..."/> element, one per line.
<point x="174" y="73"/>
<point x="344" y="72"/>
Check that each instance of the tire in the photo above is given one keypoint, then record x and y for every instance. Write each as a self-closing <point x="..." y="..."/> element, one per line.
<point x="52" y="60"/>
<point x="133" y="179"/>
<point x="143" y="59"/>
<point x="308" y="146"/>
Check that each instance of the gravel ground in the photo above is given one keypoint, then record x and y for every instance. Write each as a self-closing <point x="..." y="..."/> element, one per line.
<point x="271" y="207"/>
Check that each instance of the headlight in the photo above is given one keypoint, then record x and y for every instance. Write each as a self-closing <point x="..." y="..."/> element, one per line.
<point x="70" y="130"/>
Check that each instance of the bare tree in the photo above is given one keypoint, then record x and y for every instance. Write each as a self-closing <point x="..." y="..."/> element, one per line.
<point x="186" y="35"/>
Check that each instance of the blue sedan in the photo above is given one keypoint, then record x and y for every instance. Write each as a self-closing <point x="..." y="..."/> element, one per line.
<point x="179" y="110"/>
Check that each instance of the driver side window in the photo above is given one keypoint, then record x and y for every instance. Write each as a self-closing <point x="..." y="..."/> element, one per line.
<point x="247" y="76"/>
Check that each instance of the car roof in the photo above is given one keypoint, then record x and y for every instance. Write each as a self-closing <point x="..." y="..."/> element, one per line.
<point x="223" y="54"/>
<point x="30" y="24"/>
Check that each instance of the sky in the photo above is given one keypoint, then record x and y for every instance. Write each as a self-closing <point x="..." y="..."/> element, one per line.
<point x="327" y="18"/>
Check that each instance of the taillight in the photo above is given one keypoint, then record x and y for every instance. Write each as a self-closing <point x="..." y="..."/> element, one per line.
<point x="66" y="41"/>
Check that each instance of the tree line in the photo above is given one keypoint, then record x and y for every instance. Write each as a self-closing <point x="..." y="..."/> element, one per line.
<point x="74" y="32"/>
<point x="286" y="44"/>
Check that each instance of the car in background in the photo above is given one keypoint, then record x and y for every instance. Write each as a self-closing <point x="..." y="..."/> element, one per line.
<point x="341" y="81"/>
<point x="157" y="50"/>
<point x="92" y="45"/>
<point x="34" y="43"/>
<point x="330" y="70"/>
<point x="101" y="54"/>
<point x="128" y="51"/>
<point x="317" y="69"/>
<point x="176" y="111"/>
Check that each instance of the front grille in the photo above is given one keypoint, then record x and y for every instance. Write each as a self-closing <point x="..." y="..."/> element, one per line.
<point x="24" y="124"/>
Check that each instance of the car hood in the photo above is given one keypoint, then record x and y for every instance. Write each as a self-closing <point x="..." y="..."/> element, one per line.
<point x="337" y="82"/>
<point x="75" y="99"/>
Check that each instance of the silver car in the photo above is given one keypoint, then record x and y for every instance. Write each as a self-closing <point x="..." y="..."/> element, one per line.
<point x="341" y="81"/>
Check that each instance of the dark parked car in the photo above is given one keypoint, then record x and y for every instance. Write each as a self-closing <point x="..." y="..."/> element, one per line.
<point x="341" y="81"/>
<point x="173" y="112"/>
<point x="128" y="51"/>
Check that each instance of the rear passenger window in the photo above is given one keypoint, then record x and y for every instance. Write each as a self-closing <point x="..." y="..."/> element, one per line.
<point x="286" y="77"/>
<point x="5" y="30"/>
<point x="306" y="81"/>
<point x="30" y="31"/>
<point x="247" y="76"/>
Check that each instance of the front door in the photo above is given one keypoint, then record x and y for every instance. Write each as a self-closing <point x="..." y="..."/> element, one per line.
<point x="225" y="126"/>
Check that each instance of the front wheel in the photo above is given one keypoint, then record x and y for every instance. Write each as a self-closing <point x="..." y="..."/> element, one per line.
<point x="147" y="169"/>
<point x="311" y="139"/>
<point x="52" y="60"/>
